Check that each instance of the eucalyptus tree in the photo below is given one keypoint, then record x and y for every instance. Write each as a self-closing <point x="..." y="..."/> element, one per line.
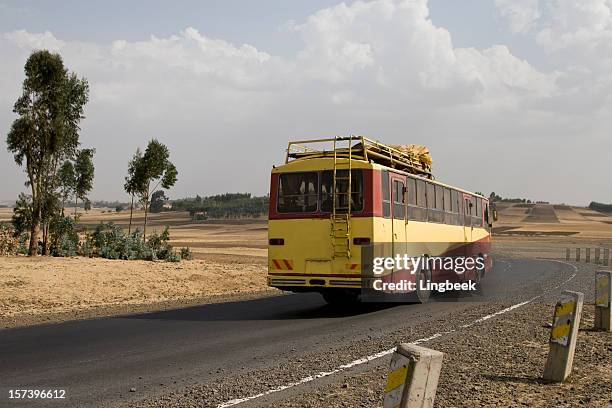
<point x="67" y="182"/>
<point x="133" y="181"/>
<point x="158" y="199"/>
<point x="83" y="175"/>
<point x="46" y="131"/>
<point x="154" y="170"/>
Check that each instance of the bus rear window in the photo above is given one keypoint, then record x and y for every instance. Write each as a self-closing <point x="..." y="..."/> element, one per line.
<point x="342" y="196"/>
<point x="298" y="192"/>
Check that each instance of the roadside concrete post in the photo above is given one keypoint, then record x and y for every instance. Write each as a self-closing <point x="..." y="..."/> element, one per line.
<point x="563" y="335"/>
<point x="577" y="254"/>
<point x="597" y="256"/>
<point x="413" y="377"/>
<point x="606" y="256"/>
<point x="567" y="254"/>
<point x="587" y="255"/>
<point x="603" y="300"/>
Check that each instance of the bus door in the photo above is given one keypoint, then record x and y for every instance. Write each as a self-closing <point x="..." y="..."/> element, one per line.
<point x="398" y="214"/>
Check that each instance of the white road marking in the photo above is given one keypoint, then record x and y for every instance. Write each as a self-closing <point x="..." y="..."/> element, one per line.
<point x="383" y="353"/>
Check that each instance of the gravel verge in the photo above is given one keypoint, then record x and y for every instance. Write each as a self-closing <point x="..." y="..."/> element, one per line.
<point x="495" y="365"/>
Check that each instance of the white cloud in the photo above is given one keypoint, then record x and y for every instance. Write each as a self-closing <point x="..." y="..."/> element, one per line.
<point x="396" y="45"/>
<point x="578" y="34"/>
<point x="381" y="68"/>
<point x="521" y="14"/>
<point x="579" y="29"/>
<point x="26" y="40"/>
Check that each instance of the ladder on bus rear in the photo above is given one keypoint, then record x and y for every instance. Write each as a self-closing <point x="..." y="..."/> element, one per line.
<point x="341" y="214"/>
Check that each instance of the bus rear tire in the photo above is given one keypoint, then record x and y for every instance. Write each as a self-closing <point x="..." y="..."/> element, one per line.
<point x="423" y="295"/>
<point x="340" y="298"/>
<point x="479" y="273"/>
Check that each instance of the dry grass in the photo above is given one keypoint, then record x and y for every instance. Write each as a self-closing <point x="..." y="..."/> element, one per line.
<point x="230" y="258"/>
<point x="54" y="285"/>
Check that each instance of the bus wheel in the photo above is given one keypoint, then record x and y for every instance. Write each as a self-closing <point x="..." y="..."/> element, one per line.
<point x="422" y="291"/>
<point x="340" y="298"/>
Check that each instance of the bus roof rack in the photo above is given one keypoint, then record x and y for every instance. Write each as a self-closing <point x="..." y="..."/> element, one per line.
<point x="412" y="160"/>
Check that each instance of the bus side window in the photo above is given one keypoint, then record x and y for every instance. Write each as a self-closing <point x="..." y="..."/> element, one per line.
<point x="439" y="212"/>
<point x="467" y="209"/>
<point x="399" y="209"/>
<point x="455" y="207"/>
<point x="431" y="202"/>
<point x="412" y="198"/>
<point x="420" y="211"/>
<point x="478" y="215"/>
<point x="447" y="206"/>
<point x="386" y="199"/>
<point x="411" y="191"/>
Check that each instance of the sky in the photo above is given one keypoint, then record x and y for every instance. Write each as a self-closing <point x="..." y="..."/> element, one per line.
<point x="511" y="96"/>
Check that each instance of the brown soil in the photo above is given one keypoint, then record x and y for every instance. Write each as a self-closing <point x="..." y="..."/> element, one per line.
<point x="31" y="287"/>
<point x="229" y="259"/>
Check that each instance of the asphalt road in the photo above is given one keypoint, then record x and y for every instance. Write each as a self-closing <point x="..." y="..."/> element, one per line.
<point x="98" y="361"/>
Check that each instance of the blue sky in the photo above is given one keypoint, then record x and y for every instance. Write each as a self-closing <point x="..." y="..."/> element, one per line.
<point x="498" y="80"/>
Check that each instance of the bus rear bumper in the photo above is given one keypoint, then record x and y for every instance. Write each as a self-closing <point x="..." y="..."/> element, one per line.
<point x="312" y="283"/>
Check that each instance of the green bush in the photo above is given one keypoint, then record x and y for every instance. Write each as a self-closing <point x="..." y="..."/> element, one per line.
<point x="87" y="248"/>
<point x="66" y="247"/>
<point x="186" y="253"/>
<point x="111" y="242"/>
<point x="107" y="241"/>
<point x="173" y="257"/>
<point x="24" y="239"/>
<point x="64" y="238"/>
<point x="9" y="244"/>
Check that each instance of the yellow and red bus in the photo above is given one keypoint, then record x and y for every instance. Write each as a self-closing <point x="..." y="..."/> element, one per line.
<point x="327" y="202"/>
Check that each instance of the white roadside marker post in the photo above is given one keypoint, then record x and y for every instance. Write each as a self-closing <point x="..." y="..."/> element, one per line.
<point x="413" y="377"/>
<point x="563" y="335"/>
<point x="603" y="300"/>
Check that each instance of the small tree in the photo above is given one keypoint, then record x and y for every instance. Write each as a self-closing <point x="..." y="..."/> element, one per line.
<point x="83" y="175"/>
<point x="133" y="182"/>
<point x="158" y="199"/>
<point x="50" y="212"/>
<point x="152" y="171"/>
<point x="22" y="214"/>
<point x="67" y="182"/>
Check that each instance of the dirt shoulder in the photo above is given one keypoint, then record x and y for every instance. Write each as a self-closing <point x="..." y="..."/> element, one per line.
<point x="45" y="289"/>
<point x="498" y="364"/>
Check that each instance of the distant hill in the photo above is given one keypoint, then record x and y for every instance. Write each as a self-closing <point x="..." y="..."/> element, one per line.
<point x="606" y="208"/>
